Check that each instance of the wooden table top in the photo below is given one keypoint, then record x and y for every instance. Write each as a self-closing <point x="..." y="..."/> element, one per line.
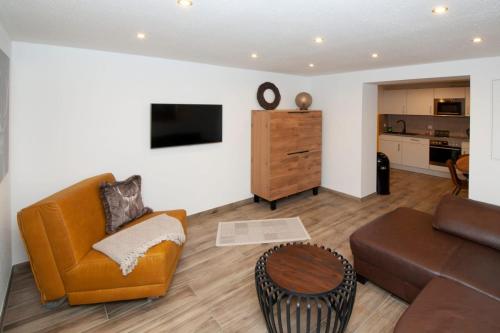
<point x="462" y="164"/>
<point x="305" y="269"/>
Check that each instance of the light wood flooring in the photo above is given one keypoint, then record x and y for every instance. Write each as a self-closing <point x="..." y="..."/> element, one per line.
<point x="213" y="289"/>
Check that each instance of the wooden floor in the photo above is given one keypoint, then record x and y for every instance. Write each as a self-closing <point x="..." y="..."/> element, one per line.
<point x="213" y="289"/>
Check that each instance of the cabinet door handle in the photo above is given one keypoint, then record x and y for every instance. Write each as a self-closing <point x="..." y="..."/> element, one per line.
<point x="398" y="146"/>
<point x="299" y="152"/>
<point x="430" y="110"/>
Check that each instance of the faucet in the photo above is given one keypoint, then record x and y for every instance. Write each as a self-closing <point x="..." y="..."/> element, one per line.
<point x="404" y="125"/>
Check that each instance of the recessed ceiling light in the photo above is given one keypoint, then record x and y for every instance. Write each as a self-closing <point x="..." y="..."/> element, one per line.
<point x="185" y="3"/>
<point x="311" y="65"/>
<point x="141" y="35"/>
<point x="254" y="55"/>
<point x="477" y="40"/>
<point x="318" y="40"/>
<point x="439" y="10"/>
<point x="374" y="55"/>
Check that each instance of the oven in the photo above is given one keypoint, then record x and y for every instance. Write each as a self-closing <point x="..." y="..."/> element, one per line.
<point x="440" y="152"/>
<point x="449" y="107"/>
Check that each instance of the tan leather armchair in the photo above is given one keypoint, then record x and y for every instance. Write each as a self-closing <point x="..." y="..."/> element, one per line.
<point x="59" y="232"/>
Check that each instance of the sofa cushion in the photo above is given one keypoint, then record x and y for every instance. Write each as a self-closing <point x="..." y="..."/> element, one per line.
<point x="122" y="202"/>
<point x="96" y="271"/>
<point x="477" y="267"/>
<point x="446" y="306"/>
<point x="473" y="220"/>
<point x="404" y="244"/>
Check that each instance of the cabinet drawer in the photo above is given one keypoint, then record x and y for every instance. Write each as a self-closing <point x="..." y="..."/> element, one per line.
<point x="295" y="131"/>
<point x="421" y="141"/>
<point x="295" y="173"/>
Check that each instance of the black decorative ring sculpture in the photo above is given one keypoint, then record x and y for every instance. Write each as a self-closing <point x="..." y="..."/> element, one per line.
<point x="262" y="101"/>
<point x="303" y="299"/>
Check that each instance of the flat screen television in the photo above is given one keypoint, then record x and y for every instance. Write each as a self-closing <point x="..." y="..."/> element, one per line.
<point x="185" y="124"/>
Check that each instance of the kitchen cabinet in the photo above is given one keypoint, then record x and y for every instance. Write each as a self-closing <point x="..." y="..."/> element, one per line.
<point x="465" y="147"/>
<point x="406" y="151"/>
<point x="415" y="153"/>
<point x="420" y="102"/>
<point x="391" y="146"/>
<point x="467" y="101"/>
<point x="458" y="92"/>
<point x="393" y="102"/>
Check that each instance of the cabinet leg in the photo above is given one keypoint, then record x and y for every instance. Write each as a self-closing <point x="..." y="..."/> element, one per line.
<point x="256" y="198"/>
<point x="273" y="205"/>
<point x="315" y="190"/>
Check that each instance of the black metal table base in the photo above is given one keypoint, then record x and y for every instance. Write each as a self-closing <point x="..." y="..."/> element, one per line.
<point x="286" y="311"/>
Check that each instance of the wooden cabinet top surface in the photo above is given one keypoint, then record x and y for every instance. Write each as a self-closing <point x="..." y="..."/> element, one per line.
<point x="285" y="110"/>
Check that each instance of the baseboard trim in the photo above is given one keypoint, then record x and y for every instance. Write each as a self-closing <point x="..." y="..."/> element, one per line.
<point x="348" y="196"/>
<point x="223" y="208"/>
<point x="430" y="172"/>
<point x="7" y="293"/>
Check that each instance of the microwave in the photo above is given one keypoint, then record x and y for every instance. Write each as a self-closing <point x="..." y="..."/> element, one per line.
<point x="449" y="107"/>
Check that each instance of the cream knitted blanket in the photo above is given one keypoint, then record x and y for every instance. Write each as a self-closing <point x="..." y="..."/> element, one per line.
<point x="128" y="245"/>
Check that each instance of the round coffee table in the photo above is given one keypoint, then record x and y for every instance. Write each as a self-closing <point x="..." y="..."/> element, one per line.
<point x="303" y="286"/>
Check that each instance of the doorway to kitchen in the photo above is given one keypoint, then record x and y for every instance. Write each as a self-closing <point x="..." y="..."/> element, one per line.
<point x="423" y="127"/>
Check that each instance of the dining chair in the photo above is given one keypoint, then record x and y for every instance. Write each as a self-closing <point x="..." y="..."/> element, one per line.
<point x="460" y="184"/>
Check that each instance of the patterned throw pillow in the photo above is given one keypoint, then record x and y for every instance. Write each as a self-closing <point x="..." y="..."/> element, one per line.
<point x="122" y="202"/>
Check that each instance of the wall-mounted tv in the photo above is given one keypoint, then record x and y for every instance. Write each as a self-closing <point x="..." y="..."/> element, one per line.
<point x="185" y="124"/>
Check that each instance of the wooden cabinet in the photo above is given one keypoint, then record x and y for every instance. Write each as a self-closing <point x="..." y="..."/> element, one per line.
<point x="393" y="102"/>
<point x="467" y="101"/>
<point x="392" y="149"/>
<point x="420" y="101"/>
<point x="458" y="92"/>
<point x="415" y="153"/>
<point x="286" y="153"/>
<point x="406" y="151"/>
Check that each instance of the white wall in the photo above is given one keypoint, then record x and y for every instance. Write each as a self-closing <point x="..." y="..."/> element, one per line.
<point x="80" y="112"/>
<point x="349" y="127"/>
<point x="5" y="223"/>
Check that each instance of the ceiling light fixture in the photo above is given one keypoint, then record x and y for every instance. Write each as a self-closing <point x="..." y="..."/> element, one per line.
<point x="318" y="40"/>
<point x="254" y="55"/>
<point x="311" y="65"/>
<point x="374" y="55"/>
<point x="185" y="3"/>
<point x="477" y="40"/>
<point x="439" y="10"/>
<point x="141" y="35"/>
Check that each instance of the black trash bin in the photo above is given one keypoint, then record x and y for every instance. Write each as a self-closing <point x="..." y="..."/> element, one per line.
<point x="383" y="174"/>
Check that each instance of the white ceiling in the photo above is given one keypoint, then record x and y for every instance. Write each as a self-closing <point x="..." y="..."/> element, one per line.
<point x="226" y="32"/>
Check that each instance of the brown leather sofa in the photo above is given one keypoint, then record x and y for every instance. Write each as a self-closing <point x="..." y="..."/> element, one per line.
<point x="447" y="265"/>
<point x="59" y="232"/>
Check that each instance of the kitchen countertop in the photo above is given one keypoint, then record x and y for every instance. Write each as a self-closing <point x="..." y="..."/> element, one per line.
<point x="423" y="136"/>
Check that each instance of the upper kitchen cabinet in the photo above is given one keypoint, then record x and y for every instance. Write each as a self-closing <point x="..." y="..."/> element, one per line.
<point x="420" y="102"/>
<point x="467" y="101"/>
<point x="446" y="93"/>
<point x="393" y="102"/>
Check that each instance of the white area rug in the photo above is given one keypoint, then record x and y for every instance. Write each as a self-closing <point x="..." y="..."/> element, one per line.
<point x="261" y="231"/>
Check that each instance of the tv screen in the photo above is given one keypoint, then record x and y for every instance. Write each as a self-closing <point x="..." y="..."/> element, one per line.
<point x="185" y="124"/>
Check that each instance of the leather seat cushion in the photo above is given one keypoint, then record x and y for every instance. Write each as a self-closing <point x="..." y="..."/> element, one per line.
<point x="477" y="267"/>
<point x="403" y="243"/>
<point x="446" y="306"/>
<point x="97" y="271"/>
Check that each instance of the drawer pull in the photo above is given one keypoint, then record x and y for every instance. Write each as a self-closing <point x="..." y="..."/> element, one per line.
<point x="299" y="152"/>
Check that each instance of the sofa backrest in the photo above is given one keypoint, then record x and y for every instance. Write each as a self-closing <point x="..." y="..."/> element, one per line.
<point x="59" y="230"/>
<point x="469" y="219"/>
